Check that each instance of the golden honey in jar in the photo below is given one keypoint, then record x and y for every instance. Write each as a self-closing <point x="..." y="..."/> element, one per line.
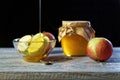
<point x="74" y="36"/>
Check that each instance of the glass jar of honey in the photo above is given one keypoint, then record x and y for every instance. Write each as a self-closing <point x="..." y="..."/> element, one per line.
<point x="74" y="36"/>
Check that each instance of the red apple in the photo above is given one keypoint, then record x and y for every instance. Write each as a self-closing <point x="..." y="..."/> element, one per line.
<point x="52" y="43"/>
<point x="99" y="49"/>
<point x="50" y="35"/>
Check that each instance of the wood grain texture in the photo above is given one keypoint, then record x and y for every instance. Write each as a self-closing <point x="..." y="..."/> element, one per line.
<point x="12" y="67"/>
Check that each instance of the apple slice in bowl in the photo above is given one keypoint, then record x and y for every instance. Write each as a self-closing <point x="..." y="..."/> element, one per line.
<point x="34" y="47"/>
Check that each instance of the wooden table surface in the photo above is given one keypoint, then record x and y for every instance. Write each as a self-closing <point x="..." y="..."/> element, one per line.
<point x="12" y="67"/>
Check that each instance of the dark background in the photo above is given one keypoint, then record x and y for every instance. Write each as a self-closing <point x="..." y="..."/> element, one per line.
<point x="22" y="17"/>
<point x="18" y="18"/>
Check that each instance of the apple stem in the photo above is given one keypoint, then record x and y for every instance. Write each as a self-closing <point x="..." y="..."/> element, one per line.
<point x="46" y="62"/>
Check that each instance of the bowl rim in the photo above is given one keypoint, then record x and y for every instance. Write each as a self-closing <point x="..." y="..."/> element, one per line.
<point x="17" y="40"/>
